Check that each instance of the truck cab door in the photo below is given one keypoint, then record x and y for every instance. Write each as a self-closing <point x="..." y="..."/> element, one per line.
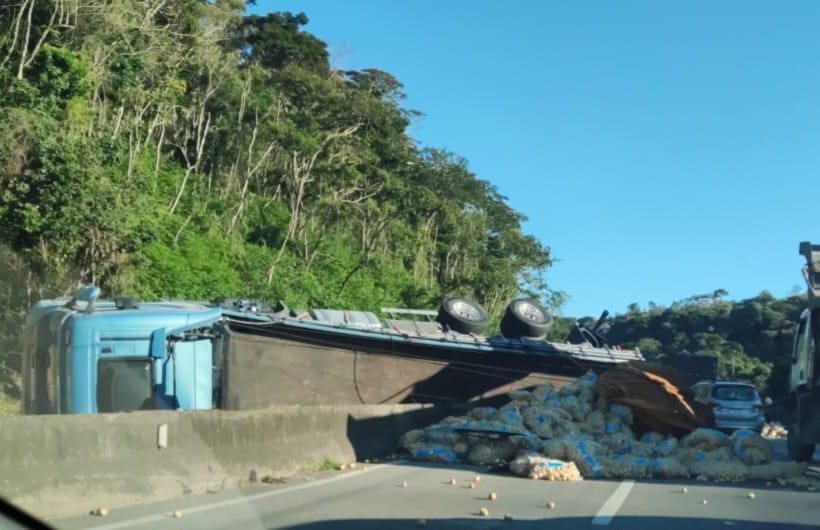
<point x="802" y="349"/>
<point x="187" y="376"/>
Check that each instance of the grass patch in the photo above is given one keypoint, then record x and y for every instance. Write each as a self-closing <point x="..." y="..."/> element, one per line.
<point x="328" y="465"/>
<point x="9" y="405"/>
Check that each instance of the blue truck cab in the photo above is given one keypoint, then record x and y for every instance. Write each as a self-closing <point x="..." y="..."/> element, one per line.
<point x="84" y="355"/>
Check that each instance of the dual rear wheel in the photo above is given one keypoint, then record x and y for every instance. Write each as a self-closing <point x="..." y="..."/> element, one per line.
<point x="522" y="318"/>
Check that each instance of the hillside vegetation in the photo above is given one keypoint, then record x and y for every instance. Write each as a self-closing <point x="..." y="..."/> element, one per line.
<point x="752" y="339"/>
<point x="181" y="149"/>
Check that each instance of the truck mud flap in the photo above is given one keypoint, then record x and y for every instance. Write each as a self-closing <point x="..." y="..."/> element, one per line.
<point x="810" y="417"/>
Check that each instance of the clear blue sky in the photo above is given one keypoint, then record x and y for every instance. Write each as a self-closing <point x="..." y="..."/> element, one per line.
<point x="660" y="148"/>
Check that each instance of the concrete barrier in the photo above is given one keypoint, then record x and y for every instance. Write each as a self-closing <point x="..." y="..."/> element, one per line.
<point x="60" y="466"/>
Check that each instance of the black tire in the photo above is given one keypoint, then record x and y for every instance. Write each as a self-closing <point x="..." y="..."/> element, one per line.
<point x="798" y="451"/>
<point x="463" y="316"/>
<point x="526" y="318"/>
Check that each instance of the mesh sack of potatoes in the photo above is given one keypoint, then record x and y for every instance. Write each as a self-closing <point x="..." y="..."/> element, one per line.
<point x="452" y="420"/>
<point x="411" y="437"/>
<point x="556" y="470"/>
<point x="443" y="434"/>
<point x="529" y="442"/>
<point x="554" y="413"/>
<point x="695" y="457"/>
<point x="583" y="386"/>
<point x="511" y="415"/>
<point x="621" y="412"/>
<point x="721" y="454"/>
<point x="666" y="447"/>
<point x="641" y="449"/>
<point x="774" y="431"/>
<point x="461" y="449"/>
<point x="800" y="482"/>
<point x="750" y="447"/>
<point x="666" y="467"/>
<point x="566" y="429"/>
<point x="490" y="452"/>
<point x="612" y="427"/>
<point x="618" y="443"/>
<point x="594" y="423"/>
<point x="721" y="471"/>
<point x="651" y="438"/>
<point x="522" y="396"/>
<point x="489" y="425"/>
<point x="705" y="439"/>
<point x="533" y="417"/>
<point x="588" y="396"/>
<point x="655" y="444"/>
<point x="577" y="409"/>
<point x="432" y="452"/>
<point x="543" y="393"/>
<point x="523" y="462"/>
<point x="554" y="448"/>
<point x="559" y="421"/>
<point x="570" y="389"/>
<point x="776" y="470"/>
<point x="585" y="454"/>
<point x="618" y="418"/>
<point x="543" y="431"/>
<point x="482" y="413"/>
<point x="626" y="466"/>
<point x="533" y="465"/>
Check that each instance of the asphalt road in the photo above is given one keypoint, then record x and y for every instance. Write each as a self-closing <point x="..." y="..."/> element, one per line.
<point x="374" y="499"/>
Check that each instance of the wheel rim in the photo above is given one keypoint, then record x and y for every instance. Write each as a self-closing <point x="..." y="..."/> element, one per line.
<point x="465" y="310"/>
<point x="531" y="311"/>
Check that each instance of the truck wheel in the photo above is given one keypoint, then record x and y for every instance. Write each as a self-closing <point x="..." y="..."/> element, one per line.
<point x="463" y="316"/>
<point x="798" y="451"/>
<point x="525" y="318"/>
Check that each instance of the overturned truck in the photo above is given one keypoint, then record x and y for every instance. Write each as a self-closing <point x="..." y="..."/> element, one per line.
<point x="86" y="355"/>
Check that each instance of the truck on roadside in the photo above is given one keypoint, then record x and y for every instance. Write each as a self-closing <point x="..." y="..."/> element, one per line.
<point x="88" y="354"/>
<point x="802" y="406"/>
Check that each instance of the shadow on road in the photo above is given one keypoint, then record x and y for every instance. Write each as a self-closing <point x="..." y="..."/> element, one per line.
<point x="376" y="437"/>
<point x="552" y="523"/>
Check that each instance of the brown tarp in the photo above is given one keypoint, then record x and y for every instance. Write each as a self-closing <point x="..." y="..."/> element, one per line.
<point x="659" y="400"/>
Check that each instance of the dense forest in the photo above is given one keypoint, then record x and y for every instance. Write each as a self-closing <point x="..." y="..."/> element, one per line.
<point x="182" y="148"/>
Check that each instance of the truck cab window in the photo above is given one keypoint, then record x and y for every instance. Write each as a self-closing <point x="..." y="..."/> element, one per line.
<point x="801" y="342"/>
<point x="44" y="371"/>
<point x="124" y="385"/>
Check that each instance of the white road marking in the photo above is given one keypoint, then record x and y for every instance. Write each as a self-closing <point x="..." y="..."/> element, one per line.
<point x="240" y="500"/>
<point x="613" y="504"/>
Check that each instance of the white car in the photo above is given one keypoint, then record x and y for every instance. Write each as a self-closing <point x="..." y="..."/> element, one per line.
<point x="735" y="405"/>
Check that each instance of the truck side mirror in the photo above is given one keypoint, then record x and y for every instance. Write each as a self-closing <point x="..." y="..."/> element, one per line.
<point x="159" y="344"/>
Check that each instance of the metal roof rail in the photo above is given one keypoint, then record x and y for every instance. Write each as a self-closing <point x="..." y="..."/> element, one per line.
<point x="87" y="294"/>
<point x="417" y="312"/>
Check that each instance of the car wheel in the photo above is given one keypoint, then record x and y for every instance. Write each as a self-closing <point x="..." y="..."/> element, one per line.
<point x="526" y="318"/>
<point x="463" y="316"/>
<point x="798" y="451"/>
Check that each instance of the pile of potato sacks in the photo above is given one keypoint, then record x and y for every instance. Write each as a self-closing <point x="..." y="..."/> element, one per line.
<point x="570" y="433"/>
<point x="774" y="431"/>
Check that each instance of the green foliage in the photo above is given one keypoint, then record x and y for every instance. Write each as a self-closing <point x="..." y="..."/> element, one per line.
<point x="328" y="465"/>
<point x="60" y="74"/>
<point x="751" y="338"/>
